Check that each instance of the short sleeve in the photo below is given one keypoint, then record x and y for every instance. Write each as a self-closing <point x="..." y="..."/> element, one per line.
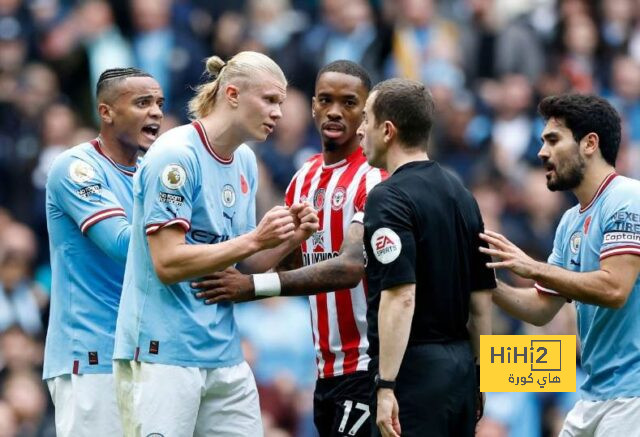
<point x="390" y="238"/>
<point x="555" y="257"/>
<point x="170" y="182"/>
<point x="621" y="226"/>
<point x="80" y="189"/>
<point x="369" y="180"/>
<point x="482" y="277"/>
<point x="253" y="191"/>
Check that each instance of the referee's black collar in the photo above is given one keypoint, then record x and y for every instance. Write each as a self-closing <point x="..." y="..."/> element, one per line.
<point x="411" y="164"/>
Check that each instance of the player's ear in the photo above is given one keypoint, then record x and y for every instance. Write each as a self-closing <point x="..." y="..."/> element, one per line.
<point x="389" y="131"/>
<point x="105" y="113"/>
<point x="591" y="143"/>
<point x="232" y="92"/>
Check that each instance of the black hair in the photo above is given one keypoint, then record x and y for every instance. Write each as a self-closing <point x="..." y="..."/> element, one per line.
<point x="583" y="114"/>
<point x="347" y="67"/>
<point x="112" y="76"/>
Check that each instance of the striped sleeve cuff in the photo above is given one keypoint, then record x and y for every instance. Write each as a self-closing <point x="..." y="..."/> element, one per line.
<point x="628" y="249"/>
<point x="155" y="227"/>
<point x="358" y="217"/>
<point x="547" y="291"/>
<point x="99" y="216"/>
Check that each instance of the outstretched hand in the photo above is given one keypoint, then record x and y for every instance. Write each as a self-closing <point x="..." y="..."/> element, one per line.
<point x="508" y="254"/>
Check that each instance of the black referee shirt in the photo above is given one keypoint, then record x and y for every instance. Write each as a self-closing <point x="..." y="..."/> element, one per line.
<point x="421" y="226"/>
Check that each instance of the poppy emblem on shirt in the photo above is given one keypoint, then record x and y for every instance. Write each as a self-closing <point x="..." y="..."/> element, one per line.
<point x="173" y="176"/>
<point x="80" y="171"/>
<point x="386" y="245"/>
<point x="337" y="200"/>
<point x="244" y="187"/>
<point x="574" y="242"/>
<point x="228" y="196"/>
<point x="587" y="222"/>
<point x="318" y="199"/>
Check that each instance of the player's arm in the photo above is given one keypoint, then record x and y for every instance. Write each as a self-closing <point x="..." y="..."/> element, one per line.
<point x="112" y="236"/>
<point x="527" y="304"/>
<point x="479" y="317"/>
<point x="174" y="260"/>
<point x="306" y="223"/>
<point x="343" y="271"/>
<point x="395" y="314"/>
<point x="81" y="191"/>
<point x="292" y="261"/>
<point x="609" y="286"/>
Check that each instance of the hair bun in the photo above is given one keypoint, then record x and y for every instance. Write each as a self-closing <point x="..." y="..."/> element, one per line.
<point x="214" y="65"/>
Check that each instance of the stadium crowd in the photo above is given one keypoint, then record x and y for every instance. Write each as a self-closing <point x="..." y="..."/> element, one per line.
<point x="487" y="62"/>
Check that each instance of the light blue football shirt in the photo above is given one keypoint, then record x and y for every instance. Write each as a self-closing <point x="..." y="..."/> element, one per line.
<point x="610" y="338"/>
<point x="84" y="187"/>
<point x="183" y="182"/>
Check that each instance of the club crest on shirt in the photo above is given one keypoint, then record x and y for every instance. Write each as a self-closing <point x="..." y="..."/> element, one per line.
<point x="318" y="199"/>
<point x="228" y="196"/>
<point x="386" y="245"/>
<point x="173" y="176"/>
<point x="337" y="200"/>
<point x="80" y="171"/>
<point x="574" y="242"/>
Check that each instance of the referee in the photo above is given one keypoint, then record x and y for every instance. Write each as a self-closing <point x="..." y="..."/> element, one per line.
<point x="429" y="297"/>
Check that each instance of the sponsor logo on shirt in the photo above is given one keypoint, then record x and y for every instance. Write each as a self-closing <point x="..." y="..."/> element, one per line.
<point x="173" y="176"/>
<point x="206" y="237"/>
<point x="173" y="199"/>
<point x="386" y="245"/>
<point x="80" y="171"/>
<point x="316" y="257"/>
<point x="86" y="192"/>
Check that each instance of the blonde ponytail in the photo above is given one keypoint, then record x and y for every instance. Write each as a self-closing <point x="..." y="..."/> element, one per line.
<point x="243" y="67"/>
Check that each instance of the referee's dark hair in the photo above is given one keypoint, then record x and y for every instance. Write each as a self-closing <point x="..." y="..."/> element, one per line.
<point x="113" y="76"/>
<point x="585" y="113"/>
<point x="347" y="67"/>
<point x="409" y="106"/>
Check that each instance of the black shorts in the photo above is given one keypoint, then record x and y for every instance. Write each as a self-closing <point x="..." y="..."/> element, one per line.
<point x="341" y="405"/>
<point x="436" y="391"/>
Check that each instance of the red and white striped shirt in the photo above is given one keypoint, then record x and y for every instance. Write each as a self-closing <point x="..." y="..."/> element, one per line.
<point x="339" y="317"/>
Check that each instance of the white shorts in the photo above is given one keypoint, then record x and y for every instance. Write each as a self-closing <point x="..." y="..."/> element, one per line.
<point x="613" y="417"/>
<point x="85" y="405"/>
<point x="175" y="401"/>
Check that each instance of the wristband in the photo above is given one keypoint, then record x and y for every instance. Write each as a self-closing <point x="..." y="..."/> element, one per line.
<point x="266" y="284"/>
<point x="382" y="383"/>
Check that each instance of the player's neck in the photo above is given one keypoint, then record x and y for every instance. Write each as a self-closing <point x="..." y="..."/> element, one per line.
<point x="120" y="153"/>
<point x="593" y="178"/>
<point x="222" y="135"/>
<point x="397" y="156"/>
<point x="332" y="156"/>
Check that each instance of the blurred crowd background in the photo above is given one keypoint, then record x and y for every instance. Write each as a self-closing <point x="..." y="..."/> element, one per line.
<point x="487" y="62"/>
